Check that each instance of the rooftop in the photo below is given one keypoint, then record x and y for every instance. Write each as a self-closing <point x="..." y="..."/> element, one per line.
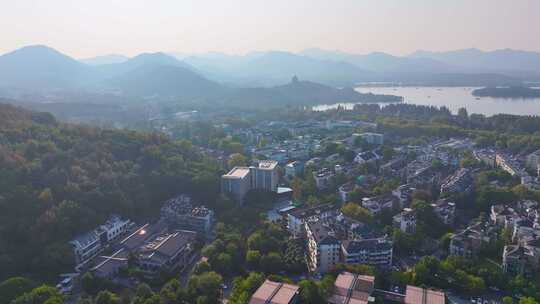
<point x="274" y="293"/>
<point x="267" y="164"/>
<point x="237" y="172"/>
<point x="417" y="295"/>
<point x="352" y="289"/>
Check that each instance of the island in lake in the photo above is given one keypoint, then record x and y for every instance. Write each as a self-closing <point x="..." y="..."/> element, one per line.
<point x="507" y="92"/>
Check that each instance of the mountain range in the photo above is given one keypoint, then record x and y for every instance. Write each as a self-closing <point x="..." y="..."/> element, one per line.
<point x="216" y="76"/>
<point x="160" y="76"/>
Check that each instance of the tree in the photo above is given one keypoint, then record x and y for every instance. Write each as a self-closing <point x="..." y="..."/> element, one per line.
<point x="42" y="294"/>
<point x="243" y="288"/>
<point x="527" y="300"/>
<point x="310" y="292"/>
<point x="223" y="263"/>
<point x="237" y="160"/>
<point x="12" y="288"/>
<point x="107" y="297"/>
<point x="356" y="212"/>
<point x="205" y="287"/>
<point x="253" y="258"/>
<point x="271" y="263"/>
<point x="463" y="114"/>
<point x="508" y="300"/>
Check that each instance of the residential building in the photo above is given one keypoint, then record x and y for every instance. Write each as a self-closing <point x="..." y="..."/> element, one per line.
<point x="324" y="178"/>
<point x="486" y="157"/>
<point x="86" y="246"/>
<point x="404" y="195"/>
<point x="379" y="203"/>
<point x="170" y="251"/>
<point x="345" y="191"/>
<point x="468" y="242"/>
<point x="237" y="182"/>
<point x="352" y="288"/>
<point x="275" y="293"/>
<point x="459" y="182"/>
<point x="323" y="248"/>
<point x="181" y="214"/>
<point x="445" y="211"/>
<point x="533" y="160"/>
<point x="367" y="157"/>
<point x="375" y="252"/>
<point x="508" y="164"/>
<point x="90" y="244"/>
<point x="371" y="138"/>
<point x="240" y="180"/>
<point x="265" y="176"/>
<point x="405" y="220"/>
<point x="297" y="218"/>
<point x="294" y="169"/>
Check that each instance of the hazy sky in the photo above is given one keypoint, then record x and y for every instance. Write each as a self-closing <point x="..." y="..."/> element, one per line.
<point x="85" y="28"/>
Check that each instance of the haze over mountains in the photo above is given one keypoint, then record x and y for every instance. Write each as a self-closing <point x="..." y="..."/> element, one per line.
<point x="220" y="77"/>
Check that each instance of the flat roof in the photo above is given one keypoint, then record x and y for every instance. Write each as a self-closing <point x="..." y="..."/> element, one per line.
<point x="237" y="172"/>
<point x="268" y="164"/>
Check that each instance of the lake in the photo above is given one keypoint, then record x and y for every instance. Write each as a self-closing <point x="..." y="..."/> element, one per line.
<point x="453" y="98"/>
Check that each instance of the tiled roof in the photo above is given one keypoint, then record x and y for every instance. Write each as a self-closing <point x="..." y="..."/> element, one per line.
<point x="274" y="293"/>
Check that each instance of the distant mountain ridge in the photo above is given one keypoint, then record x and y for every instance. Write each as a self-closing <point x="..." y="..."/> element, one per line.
<point x="257" y="75"/>
<point x="507" y="61"/>
<point x="40" y="66"/>
<point x="275" y="68"/>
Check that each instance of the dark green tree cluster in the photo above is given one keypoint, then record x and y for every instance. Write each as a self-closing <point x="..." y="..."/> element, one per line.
<point x="59" y="180"/>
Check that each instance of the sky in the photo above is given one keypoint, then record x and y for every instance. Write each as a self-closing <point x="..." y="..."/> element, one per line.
<point x="97" y="27"/>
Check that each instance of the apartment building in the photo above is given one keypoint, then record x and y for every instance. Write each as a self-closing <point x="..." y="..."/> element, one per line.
<point x="375" y="252"/>
<point x="90" y="244"/>
<point x="240" y="180"/>
<point x="322" y="246"/>
<point x="405" y="220"/>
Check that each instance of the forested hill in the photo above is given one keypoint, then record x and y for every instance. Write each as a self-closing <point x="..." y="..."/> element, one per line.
<point x="58" y="180"/>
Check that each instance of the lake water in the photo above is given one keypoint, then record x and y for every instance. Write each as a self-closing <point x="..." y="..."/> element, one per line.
<point x="453" y="98"/>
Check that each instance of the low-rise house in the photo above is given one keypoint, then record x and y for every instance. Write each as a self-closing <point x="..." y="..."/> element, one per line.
<point x="468" y="242"/>
<point x="533" y="160"/>
<point x="375" y="252"/>
<point x="345" y="191"/>
<point x="486" y="157"/>
<point x="352" y="288"/>
<point x="297" y="218"/>
<point x="371" y="138"/>
<point x="294" y="169"/>
<point x="445" y="211"/>
<point x="405" y="220"/>
<point x="169" y="251"/>
<point x="180" y="213"/>
<point x="395" y="168"/>
<point x="523" y="258"/>
<point x="324" y="178"/>
<point x="379" y="203"/>
<point x="418" y="295"/>
<point x="498" y="214"/>
<point x="459" y="182"/>
<point x="90" y="244"/>
<point x="404" y="194"/>
<point x="367" y="157"/>
<point x="275" y="293"/>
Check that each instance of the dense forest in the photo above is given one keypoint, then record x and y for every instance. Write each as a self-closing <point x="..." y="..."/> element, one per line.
<point x="58" y="180"/>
